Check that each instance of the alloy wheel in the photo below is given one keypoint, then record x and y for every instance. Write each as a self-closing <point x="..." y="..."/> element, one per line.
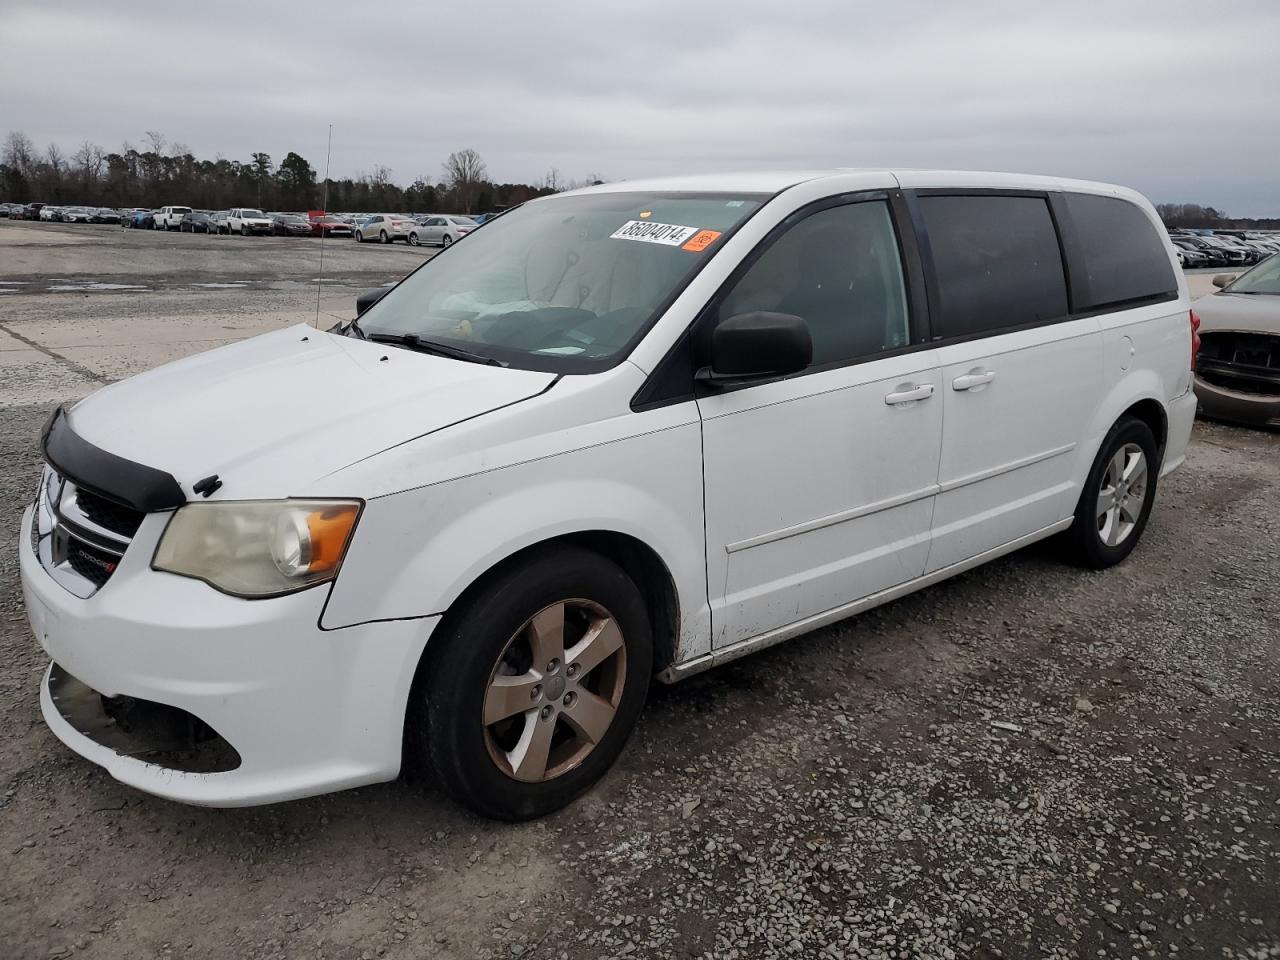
<point x="1122" y="494"/>
<point x="553" y="694"/>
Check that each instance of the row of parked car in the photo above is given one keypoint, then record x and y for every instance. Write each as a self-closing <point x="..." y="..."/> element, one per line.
<point x="432" y="229"/>
<point x="51" y="214"/>
<point x="1216" y="249"/>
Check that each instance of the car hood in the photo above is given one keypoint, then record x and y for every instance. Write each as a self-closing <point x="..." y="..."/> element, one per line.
<point x="272" y="414"/>
<point x="1239" y="311"/>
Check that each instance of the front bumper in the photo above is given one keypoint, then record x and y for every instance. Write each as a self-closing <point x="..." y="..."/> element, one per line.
<point x="1221" y="403"/>
<point x="307" y="710"/>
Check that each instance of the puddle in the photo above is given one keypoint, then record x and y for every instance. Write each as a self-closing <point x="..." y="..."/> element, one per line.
<point x="222" y="286"/>
<point x="13" y="283"/>
<point x="93" y="287"/>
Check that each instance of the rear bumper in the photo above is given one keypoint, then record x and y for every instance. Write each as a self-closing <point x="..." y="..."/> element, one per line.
<point x="1222" y="403"/>
<point x="307" y="710"/>
<point x="1182" y="415"/>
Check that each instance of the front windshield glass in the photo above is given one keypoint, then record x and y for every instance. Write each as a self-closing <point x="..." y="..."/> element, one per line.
<point x="1264" y="278"/>
<point x="252" y="214"/>
<point x="565" y="283"/>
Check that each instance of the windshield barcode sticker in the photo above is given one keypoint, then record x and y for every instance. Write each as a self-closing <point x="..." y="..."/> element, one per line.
<point x="671" y="234"/>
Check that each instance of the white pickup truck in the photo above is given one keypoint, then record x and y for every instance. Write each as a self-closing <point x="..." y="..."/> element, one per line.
<point x="168" y="218"/>
<point x="246" y="220"/>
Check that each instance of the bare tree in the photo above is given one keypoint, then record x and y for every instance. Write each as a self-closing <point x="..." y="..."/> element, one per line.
<point x="156" y="139"/>
<point x="88" y="165"/>
<point x="19" y="153"/>
<point x="551" y="180"/>
<point x="464" y="173"/>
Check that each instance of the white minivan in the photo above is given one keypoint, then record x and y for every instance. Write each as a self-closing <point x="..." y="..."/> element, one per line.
<point x="630" y="431"/>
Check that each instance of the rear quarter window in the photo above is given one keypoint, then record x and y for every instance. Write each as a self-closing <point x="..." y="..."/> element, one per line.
<point x="1124" y="257"/>
<point x="997" y="263"/>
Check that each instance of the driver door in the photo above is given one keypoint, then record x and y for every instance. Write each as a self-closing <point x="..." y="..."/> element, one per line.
<point x="820" y="486"/>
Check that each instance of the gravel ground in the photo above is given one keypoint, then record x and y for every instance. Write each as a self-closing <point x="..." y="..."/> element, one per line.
<point x="1029" y="760"/>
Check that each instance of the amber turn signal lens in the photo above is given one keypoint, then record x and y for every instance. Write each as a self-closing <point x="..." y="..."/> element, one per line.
<point x="329" y="529"/>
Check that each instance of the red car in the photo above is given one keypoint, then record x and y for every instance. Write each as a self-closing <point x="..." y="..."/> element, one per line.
<point x="329" y="226"/>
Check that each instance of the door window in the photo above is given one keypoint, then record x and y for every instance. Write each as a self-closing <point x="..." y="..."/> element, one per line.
<point x="839" y="270"/>
<point x="997" y="263"/>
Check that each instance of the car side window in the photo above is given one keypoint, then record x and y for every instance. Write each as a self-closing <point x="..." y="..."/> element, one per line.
<point x="997" y="263"/>
<point x="1124" y="258"/>
<point x="838" y="269"/>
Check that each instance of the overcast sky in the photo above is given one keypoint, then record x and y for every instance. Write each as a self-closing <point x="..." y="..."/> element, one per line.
<point x="1178" y="99"/>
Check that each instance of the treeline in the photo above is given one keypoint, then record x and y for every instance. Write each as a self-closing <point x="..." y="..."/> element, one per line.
<point x="1194" y="215"/>
<point x="161" y="173"/>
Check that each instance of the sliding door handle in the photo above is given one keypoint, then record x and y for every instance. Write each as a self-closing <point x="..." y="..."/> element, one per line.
<point x="910" y="393"/>
<point x="971" y="380"/>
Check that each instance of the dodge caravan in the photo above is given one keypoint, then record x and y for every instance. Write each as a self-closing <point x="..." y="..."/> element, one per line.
<point x="630" y="431"/>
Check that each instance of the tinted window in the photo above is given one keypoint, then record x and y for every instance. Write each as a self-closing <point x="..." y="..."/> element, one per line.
<point x="1124" y="258"/>
<point x="997" y="263"/>
<point x="838" y="269"/>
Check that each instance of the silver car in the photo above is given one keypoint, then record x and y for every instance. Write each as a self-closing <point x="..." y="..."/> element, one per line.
<point x="440" y="229"/>
<point x="1238" y="370"/>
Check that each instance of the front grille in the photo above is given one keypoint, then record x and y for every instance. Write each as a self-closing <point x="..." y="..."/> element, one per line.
<point x="79" y="537"/>
<point x="108" y="514"/>
<point x="93" y="564"/>
<point x="1247" y="362"/>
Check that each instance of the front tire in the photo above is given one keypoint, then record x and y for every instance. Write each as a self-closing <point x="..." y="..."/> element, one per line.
<point x="533" y="686"/>
<point x="413" y="239"/>
<point x="1117" y="498"/>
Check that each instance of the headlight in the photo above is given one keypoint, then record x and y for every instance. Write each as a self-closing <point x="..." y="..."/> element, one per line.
<point x="258" y="548"/>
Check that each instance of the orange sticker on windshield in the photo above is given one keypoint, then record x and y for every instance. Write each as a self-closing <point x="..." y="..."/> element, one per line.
<point x="701" y="240"/>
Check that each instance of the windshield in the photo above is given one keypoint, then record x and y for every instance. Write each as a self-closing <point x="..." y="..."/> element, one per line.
<point x="1264" y="278"/>
<point x="563" y="284"/>
<point x="252" y="214"/>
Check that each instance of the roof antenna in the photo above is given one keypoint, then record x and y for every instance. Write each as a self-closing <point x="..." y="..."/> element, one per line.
<point x="324" y="203"/>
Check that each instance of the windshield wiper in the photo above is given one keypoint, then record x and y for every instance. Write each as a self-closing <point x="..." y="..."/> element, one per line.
<point x="412" y="341"/>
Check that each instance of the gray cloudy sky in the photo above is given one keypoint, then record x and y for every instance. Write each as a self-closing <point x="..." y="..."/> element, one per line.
<point x="1178" y="99"/>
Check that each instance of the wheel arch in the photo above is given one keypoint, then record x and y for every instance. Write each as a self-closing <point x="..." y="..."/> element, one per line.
<point x="1151" y="412"/>
<point x="637" y="559"/>
<point x="1140" y="401"/>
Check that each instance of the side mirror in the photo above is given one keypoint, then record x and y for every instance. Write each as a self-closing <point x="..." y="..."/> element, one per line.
<point x="756" y="346"/>
<point x="1222" y="279"/>
<point x="369" y="298"/>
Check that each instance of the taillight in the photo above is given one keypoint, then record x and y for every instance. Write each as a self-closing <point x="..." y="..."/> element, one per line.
<point x="1195" y="338"/>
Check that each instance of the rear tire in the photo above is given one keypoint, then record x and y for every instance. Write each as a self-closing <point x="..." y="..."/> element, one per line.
<point x="575" y="685"/>
<point x="1117" y="497"/>
<point x="447" y="240"/>
<point x="383" y="238"/>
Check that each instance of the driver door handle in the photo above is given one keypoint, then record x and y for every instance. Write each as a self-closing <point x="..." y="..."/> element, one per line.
<point x="915" y="392"/>
<point x="971" y="380"/>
